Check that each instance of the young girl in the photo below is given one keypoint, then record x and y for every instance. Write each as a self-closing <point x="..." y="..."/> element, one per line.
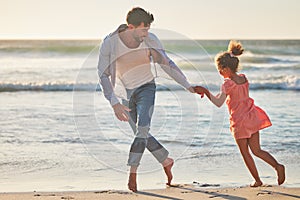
<point x="246" y="119"/>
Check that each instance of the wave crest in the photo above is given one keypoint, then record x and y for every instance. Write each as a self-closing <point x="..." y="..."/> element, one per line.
<point x="275" y="83"/>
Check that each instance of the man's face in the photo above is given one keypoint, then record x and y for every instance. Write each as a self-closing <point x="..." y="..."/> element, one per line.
<point x="140" y="32"/>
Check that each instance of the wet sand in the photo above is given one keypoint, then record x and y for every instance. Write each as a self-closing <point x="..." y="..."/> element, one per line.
<point x="176" y="192"/>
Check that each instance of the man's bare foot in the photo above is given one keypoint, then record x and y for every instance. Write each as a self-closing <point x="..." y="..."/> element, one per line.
<point x="168" y="164"/>
<point x="280" y="173"/>
<point x="256" y="184"/>
<point x="132" y="182"/>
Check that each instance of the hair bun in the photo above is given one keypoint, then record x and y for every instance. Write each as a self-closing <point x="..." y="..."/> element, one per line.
<point x="235" y="48"/>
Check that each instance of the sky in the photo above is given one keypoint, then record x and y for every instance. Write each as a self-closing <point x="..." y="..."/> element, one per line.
<point x="195" y="19"/>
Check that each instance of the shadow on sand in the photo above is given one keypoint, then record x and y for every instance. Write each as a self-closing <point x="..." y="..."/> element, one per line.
<point x="158" y="195"/>
<point x="281" y="193"/>
<point x="188" y="189"/>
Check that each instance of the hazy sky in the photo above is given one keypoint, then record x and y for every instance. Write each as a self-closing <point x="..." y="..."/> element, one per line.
<point x="196" y="19"/>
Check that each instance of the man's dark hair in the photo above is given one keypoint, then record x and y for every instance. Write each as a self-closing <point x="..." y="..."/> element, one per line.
<point x="138" y="15"/>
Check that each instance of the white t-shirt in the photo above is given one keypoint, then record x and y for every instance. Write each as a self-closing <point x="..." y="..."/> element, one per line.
<point x="133" y="66"/>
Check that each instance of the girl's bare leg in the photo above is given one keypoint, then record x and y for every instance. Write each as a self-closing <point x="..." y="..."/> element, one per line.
<point x="280" y="174"/>
<point x="244" y="149"/>
<point x="267" y="157"/>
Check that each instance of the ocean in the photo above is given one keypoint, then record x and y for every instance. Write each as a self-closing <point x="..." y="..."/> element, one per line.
<point x="58" y="133"/>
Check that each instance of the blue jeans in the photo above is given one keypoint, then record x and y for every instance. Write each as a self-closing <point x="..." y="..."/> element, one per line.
<point x="141" y="103"/>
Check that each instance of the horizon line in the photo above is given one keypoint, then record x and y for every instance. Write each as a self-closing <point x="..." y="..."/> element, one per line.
<point x="63" y="38"/>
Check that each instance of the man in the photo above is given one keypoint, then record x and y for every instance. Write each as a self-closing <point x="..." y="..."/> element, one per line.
<point x="124" y="69"/>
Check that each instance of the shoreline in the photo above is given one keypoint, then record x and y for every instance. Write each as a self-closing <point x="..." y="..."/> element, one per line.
<point x="175" y="192"/>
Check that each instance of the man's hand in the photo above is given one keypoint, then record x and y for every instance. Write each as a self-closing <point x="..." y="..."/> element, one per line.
<point x="191" y="89"/>
<point x="121" y="112"/>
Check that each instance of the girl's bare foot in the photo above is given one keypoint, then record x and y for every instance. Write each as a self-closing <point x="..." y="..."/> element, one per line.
<point x="280" y="173"/>
<point x="168" y="164"/>
<point x="256" y="184"/>
<point x="132" y="182"/>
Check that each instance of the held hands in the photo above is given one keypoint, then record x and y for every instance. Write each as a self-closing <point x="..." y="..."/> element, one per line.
<point x="121" y="112"/>
<point x="200" y="90"/>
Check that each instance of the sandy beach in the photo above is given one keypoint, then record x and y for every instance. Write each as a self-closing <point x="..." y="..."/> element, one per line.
<point x="176" y="192"/>
<point x="44" y="150"/>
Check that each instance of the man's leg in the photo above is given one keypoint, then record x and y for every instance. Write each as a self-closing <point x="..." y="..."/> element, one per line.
<point x="132" y="160"/>
<point x="139" y="143"/>
<point x="136" y="152"/>
<point x="147" y="97"/>
<point x="141" y="104"/>
<point x="161" y="154"/>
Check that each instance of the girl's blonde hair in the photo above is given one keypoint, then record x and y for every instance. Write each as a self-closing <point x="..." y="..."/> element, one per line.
<point x="229" y="58"/>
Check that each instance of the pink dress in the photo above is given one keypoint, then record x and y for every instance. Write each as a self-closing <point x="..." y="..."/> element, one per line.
<point x="245" y="118"/>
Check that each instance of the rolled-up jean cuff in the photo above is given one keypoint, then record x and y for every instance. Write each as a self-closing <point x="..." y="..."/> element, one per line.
<point x="133" y="165"/>
<point x="161" y="154"/>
